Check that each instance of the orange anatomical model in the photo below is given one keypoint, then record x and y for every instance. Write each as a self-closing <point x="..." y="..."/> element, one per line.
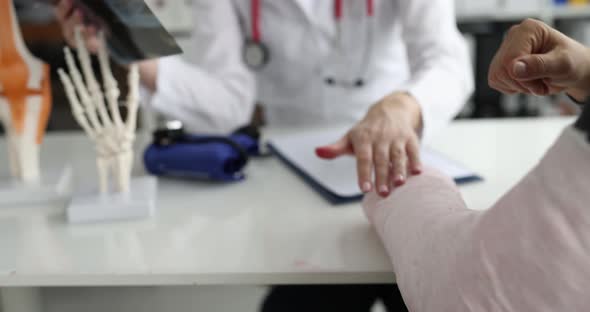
<point x="25" y="97"/>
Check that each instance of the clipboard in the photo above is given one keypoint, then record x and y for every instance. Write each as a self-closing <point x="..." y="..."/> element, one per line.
<point x="336" y="180"/>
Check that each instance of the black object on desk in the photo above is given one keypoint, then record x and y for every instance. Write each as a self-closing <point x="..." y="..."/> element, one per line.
<point x="175" y="153"/>
<point x="583" y="122"/>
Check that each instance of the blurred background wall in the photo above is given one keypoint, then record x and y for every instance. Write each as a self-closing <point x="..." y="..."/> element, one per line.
<point x="483" y="23"/>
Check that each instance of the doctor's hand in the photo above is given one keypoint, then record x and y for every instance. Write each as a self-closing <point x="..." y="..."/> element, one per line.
<point x="537" y="59"/>
<point x="69" y="17"/>
<point x="385" y="143"/>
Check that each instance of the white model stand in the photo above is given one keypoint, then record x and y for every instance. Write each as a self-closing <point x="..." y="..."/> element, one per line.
<point x="113" y="138"/>
<point x="139" y="202"/>
<point x="54" y="185"/>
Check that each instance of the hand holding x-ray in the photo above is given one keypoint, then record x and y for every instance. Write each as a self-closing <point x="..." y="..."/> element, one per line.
<point x="132" y="32"/>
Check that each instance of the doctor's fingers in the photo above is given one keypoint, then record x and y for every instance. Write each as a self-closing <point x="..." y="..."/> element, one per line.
<point x="399" y="164"/>
<point x="63" y="10"/>
<point x="89" y="33"/>
<point x="363" y="152"/>
<point x="413" y="152"/>
<point x="382" y="162"/>
<point x="364" y="166"/>
<point x="336" y="149"/>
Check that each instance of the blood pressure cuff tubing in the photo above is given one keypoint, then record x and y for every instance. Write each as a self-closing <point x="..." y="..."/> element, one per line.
<point x="202" y="157"/>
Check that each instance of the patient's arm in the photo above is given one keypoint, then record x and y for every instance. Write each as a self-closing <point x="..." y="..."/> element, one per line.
<point x="423" y="226"/>
<point x="529" y="252"/>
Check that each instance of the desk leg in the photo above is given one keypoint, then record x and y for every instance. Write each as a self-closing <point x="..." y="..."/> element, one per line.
<point x="21" y="299"/>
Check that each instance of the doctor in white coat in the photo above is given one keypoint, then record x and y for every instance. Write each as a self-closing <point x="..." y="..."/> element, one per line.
<point x="395" y="70"/>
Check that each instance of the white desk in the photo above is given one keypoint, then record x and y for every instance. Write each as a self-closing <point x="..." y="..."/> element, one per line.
<point x="271" y="229"/>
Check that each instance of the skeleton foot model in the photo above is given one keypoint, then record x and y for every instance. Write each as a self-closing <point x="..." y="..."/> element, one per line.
<point x="100" y="119"/>
<point x="25" y="98"/>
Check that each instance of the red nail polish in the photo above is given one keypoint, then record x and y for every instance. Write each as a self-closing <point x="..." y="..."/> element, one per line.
<point x="324" y="152"/>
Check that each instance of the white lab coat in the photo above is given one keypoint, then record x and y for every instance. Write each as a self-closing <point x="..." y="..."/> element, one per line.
<point x="416" y="48"/>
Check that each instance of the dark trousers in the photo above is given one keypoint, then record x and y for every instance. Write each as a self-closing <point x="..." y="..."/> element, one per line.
<point x="341" y="298"/>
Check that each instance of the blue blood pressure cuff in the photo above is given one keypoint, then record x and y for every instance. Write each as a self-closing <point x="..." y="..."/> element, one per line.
<point x="219" y="158"/>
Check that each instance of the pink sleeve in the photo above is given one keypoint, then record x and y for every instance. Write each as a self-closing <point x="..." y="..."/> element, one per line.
<point x="529" y="252"/>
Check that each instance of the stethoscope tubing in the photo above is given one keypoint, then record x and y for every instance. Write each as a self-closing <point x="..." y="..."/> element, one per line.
<point x="257" y="37"/>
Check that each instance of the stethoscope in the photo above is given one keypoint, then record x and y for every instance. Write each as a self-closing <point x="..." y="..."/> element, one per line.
<point x="257" y="54"/>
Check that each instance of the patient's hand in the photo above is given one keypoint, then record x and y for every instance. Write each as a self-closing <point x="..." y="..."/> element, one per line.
<point x="537" y="59"/>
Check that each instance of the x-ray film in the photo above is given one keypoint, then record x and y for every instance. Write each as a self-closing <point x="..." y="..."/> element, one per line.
<point x="132" y="31"/>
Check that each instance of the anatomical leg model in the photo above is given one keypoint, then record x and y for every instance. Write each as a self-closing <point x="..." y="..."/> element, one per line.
<point x="100" y="119"/>
<point x="25" y="98"/>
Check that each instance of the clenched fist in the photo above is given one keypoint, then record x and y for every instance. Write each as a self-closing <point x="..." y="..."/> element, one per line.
<point x="537" y="59"/>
